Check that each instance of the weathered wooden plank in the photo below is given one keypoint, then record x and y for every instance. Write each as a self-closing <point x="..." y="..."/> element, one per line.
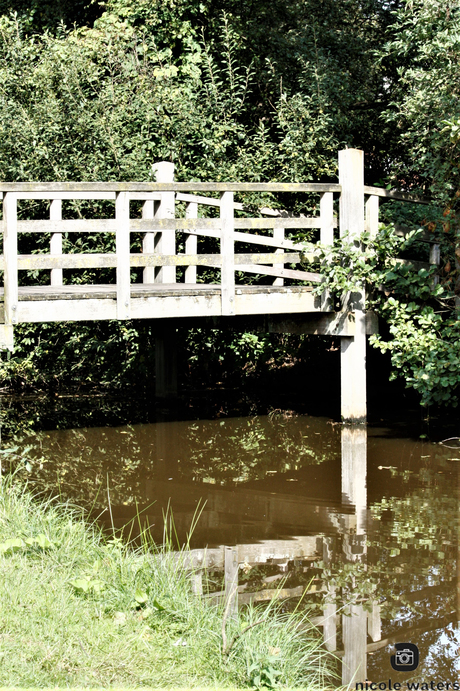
<point x="145" y="196"/>
<point x="165" y="241"/>
<point x="245" y="598"/>
<point x="435" y="260"/>
<point x="372" y="215"/>
<point x="374" y="622"/>
<point x="278" y="235"/>
<point x="353" y="350"/>
<point x="395" y="194"/>
<point x="38" y="311"/>
<point x="123" y="248"/>
<point x="103" y="291"/>
<point x="278" y="302"/>
<point x="238" y="206"/>
<point x="272" y="242"/>
<point x="227" y="250"/>
<point x="6" y="337"/>
<point x="330" y="324"/>
<point x="333" y="324"/>
<point x="269" y="223"/>
<point x="10" y="249"/>
<point x="80" y="225"/>
<point x="412" y="263"/>
<point x="22" y="188"/>
<point x="65" y="261"/>
<point x="354" y="634"/>
<point x="191" y="243"/>
<point x="56" y="240"/>
<point x="197" y="199"/>
<point x="282" y="273"/>
<point x="327" y="221"/>
<point x="329" y="624"/>
<point x="327" y="234"/>
<point x="59" y="194"/>
<point x="148" y="241"/>
<point x="252" y="554"/>
<point x="231" y="580"/>
<point x="424" y="236"/>
<point x="208" y="259"/>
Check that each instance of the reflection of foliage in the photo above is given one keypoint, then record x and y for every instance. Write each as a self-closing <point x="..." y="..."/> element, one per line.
<point x="82" y="461"/>
<point x="413" y="549"/>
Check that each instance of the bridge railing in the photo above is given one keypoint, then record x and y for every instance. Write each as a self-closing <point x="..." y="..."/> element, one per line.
<point x="159" y="227"/>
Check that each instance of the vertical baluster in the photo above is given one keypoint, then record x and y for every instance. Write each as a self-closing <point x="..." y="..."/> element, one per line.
<point x="56" y="240"/>
<point x="278" y="234"/>
<point x="372" y="215"/>
<point x="123" y="252"/>
<point x="148" y="241"/>
<point x="227" y="252"/>
<point x="10" y="253"/>
<point x="231" y="580"/>
<point x="435" y="260"/>
<point x="353" y="350"/>
<point x="191" y="242"/>
<point x="326" y="211"/>
<point x="165" y="240"/>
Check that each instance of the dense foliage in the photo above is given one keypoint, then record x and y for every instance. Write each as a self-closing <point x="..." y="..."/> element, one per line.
<point x="229" y="90"/>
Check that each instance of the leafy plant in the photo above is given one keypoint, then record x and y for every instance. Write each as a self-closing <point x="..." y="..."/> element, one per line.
<point x="424" y="326"/>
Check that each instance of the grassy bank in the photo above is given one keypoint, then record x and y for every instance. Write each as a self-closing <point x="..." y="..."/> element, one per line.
<point x="77" y="609"/>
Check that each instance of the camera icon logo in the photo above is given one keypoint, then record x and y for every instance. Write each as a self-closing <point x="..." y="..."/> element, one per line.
<point x="406" y="658"/>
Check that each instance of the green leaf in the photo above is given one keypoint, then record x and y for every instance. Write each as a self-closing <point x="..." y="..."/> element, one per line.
<point x="140" y="596"/>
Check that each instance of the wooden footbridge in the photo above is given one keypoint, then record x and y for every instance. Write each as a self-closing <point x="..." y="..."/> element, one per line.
<point x="213" y="284"/>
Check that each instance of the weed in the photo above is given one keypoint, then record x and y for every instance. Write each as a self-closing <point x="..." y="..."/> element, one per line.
<point x="77" y="609"/>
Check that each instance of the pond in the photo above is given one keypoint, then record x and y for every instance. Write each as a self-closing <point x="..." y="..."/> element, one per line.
<point x="362" y="523"/>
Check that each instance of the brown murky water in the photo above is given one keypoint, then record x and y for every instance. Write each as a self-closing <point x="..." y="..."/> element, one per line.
<point x="366" y="521"/>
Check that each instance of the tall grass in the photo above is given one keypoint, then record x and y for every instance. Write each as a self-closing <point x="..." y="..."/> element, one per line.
<point x="78" y="609"/>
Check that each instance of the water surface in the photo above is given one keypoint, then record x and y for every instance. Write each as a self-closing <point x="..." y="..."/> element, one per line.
<point x="365" y="520"/>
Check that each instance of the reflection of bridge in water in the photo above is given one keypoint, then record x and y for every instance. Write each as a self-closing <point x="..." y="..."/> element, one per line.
<point x="258" y="528"/>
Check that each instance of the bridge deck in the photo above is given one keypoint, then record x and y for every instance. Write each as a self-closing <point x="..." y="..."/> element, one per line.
<point x="156" y="300"/>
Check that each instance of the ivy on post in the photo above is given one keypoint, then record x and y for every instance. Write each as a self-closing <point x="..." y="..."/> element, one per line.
<point x="353" y="349"/>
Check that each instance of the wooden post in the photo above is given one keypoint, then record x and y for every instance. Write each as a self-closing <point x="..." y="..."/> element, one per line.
<point x="191" y="242"/>
<point x="278" y="234"/>
<point x="330" y="608"/>
<point x="123" y="246"/>
<point x="10" y="253"/>
<point x="166" y="359"/>
<point x="148" y="241"/>
<point x="354" y="468"/>
<point x="231" y="580"/>
<point x="374" y="622"/>
<point x="165" y="241"/>
<point x="372" y="215"/>
<point x="435" y="260"/>
<point x="354" y="633"/>
<point x="56" y="240"/>
<point x="326" y="210"/>
<point x="354" y="619"/>
<point x="197" y="583"/>
<point x="227" y="251"/>
<point x="353" y="350"/>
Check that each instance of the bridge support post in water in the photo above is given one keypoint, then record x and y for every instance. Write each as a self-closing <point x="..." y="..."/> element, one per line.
<point x="166" y="360"/>
<point x="353" y="349"/>
<point x="354" y="492"/>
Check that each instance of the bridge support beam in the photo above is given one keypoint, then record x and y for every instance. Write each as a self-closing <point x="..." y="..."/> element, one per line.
<point x="353" y="350"/>
<point x="166" y="360"/>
